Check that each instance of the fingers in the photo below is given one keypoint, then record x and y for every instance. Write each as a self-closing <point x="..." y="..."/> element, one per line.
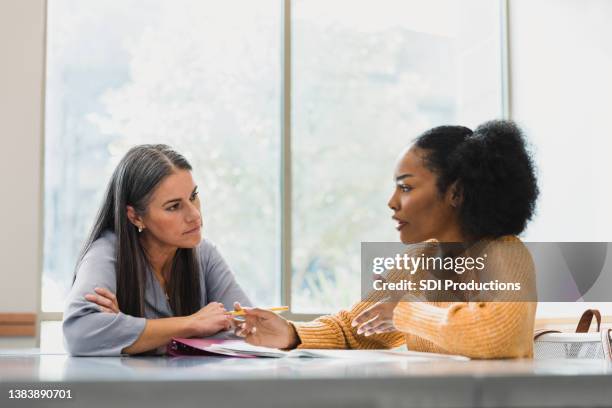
<point x="100" y="300"/>
<point x="253" y="338"/>
<point x="249" y="324"/>
<point x="109" y="295"/>
<point x="106" y="293"/>
<point x="382" y="328"/>
<point x="368" y="314"/>
<point x="239" y="330"/>
<point x="367" y="325"/>
<point x="220" y="320"/>
<point x="214" y="307"/>
<point x="104" y="298"/>
<point x="235" y="319"/>
<point x="242" y="330"/>
<point x="386" y="329"/>
<point x="376" y="325"/>
<point x="363" y="317"/>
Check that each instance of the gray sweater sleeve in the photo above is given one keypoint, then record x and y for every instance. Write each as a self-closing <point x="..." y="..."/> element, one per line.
<point x="221" y="286"/>
<point x="87" y="330"/>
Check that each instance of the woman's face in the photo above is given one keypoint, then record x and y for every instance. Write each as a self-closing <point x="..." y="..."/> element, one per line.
<point x="173" y="216"/>
<point x="419" y="209"/>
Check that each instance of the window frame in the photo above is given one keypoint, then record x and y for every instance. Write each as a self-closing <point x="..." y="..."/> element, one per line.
<point x="285" y="167"/>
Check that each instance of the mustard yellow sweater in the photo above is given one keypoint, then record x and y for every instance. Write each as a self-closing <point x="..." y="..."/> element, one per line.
<point x="473" y="329"/>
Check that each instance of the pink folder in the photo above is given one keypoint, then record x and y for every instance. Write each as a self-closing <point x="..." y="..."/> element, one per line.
<point x="201" y="347"/>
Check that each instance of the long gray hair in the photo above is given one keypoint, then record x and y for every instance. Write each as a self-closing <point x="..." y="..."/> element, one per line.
<point x="135" y="178"/>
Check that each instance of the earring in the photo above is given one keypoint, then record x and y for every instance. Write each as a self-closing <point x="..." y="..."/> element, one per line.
<point x="139" y="229"/>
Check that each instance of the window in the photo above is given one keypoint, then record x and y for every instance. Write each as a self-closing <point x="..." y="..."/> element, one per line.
<point x="205" y="77"/>
<point x="368" y="78"/>
<point x="201" y="76"/>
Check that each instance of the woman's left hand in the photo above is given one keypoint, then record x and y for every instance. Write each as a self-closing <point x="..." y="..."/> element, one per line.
<point x="378" y="318"/>
<point x="105" y="299"/>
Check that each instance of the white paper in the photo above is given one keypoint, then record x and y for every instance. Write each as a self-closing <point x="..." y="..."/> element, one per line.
<point x="248" y="349"/>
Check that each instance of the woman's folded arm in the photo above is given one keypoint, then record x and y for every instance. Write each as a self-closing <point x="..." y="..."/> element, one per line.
<point x="87" y="330"/>
<point x="473" y="329"/>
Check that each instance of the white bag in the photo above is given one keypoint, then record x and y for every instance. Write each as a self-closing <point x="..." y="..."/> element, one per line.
<point x="553" y="344"/>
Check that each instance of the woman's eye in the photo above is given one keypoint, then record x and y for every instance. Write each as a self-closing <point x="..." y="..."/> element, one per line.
<point x="172" y="208"/>
<point x="194" y="196"/>
<point x="405" y="189"/>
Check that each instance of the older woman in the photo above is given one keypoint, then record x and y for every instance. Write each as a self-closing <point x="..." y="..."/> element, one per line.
<point x="452" y="186"/>
<point x="145" y="275"/>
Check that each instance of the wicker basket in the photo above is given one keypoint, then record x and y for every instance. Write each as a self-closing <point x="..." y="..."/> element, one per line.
<point x="553" y="344"/>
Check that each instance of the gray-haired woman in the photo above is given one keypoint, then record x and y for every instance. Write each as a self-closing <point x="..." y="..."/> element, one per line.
<point x="145" y="275"/>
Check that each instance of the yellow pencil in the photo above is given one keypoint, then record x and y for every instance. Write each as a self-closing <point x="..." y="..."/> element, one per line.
<point x="271" y="309"/>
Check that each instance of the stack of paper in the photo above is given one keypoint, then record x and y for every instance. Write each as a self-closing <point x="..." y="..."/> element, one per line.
<point x="239" y="348"/>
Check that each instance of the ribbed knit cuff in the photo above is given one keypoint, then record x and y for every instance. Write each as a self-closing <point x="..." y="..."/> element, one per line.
<point x="419" y="318"/>
<point x="318" y="335"/>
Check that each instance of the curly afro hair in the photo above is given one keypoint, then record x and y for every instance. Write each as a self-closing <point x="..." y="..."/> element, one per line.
<point x="493" y="171"/>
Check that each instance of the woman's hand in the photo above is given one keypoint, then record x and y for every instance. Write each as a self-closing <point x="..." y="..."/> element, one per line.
<point x="209" y="320"/>
<point x="105" y="299"/>
<point x="264" y="328"/>
<point x="378" y="318"/>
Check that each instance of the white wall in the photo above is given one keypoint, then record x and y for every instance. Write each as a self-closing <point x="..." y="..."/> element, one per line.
<point x="561" y="53"/>
<point x="561" y="65"/>
<point x="21" y="123"/>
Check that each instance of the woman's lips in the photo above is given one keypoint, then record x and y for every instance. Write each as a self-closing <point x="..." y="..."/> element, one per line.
<point x="400" y="223"/>
<point x="193" y="231"/>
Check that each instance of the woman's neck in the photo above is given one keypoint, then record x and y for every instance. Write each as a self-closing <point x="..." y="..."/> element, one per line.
<point x="159" y="255"/>
<point x="458" y="243"/>
<point x="452" y="234"/>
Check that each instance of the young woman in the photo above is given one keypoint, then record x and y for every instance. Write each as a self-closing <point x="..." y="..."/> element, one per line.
<point x="145" y="275"/>
<point x="452" y="185"/>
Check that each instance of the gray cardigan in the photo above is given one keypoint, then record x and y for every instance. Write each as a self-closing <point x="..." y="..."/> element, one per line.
<point x="89" y="332"/>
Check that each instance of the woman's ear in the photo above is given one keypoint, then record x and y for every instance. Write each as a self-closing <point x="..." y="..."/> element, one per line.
<point x="454" y="195"/>
<point x="134" y="218"/>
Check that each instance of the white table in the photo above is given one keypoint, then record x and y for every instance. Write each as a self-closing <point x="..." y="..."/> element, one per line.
<point x="229" y="382"/>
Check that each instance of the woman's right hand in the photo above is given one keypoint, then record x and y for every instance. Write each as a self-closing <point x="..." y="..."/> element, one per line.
<point x="266" y="328"/>
<point x="209" y="320"/>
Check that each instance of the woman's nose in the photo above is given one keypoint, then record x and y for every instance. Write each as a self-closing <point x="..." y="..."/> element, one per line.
<point x="393" y="202"/>
<point x="193" y="213"/>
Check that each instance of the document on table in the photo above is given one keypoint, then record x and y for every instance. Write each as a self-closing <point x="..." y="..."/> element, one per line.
<point x="243" y="348"/>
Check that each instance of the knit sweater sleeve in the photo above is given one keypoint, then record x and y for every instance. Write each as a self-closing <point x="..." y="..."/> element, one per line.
<point x="480" y="329"/>
<point x="336" y="331"/>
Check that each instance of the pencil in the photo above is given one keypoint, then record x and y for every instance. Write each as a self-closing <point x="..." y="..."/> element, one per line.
<point x="271" y="309"/>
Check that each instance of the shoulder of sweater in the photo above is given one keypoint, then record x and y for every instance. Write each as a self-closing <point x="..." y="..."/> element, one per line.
<point x="207" y="245"/>
<point x="505" y="242"/>
<point x="509" y="244"/>
<point x="208" y="254"/>
<point x="509" y="253"/>
<point x="206" y="250"/>
<point x="105" y="244"/>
